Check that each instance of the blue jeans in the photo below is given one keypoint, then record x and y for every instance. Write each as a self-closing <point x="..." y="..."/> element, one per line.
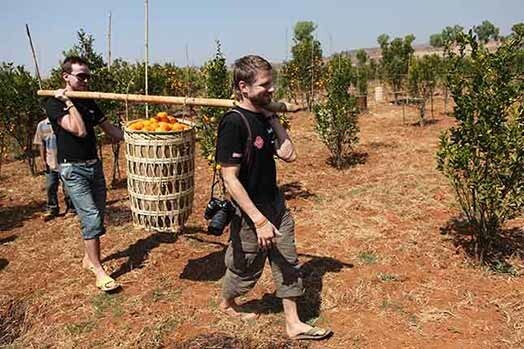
<point x="52" y="179"/>
<point x="87" y="188"/>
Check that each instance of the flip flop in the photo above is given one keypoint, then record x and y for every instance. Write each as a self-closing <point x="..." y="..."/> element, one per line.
<point x="107" y="284"/>
<point x="314" y="333"/>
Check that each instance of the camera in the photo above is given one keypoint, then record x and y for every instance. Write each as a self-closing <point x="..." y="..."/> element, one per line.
<point x="219" y="213"/>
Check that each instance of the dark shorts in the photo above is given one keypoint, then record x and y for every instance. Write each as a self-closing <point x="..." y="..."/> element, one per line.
<point x="245" y="260"/>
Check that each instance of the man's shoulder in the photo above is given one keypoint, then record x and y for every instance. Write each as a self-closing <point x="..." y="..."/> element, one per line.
<point x="53" y="102"/>
<point x="231" y="116"/>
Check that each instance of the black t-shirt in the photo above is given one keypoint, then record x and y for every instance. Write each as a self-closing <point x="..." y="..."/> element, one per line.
<point x="70" y="147"/>
<point x="261" y="183"/>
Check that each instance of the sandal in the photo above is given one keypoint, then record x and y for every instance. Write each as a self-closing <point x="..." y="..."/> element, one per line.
<point x="107" y="284"/>
<point x="314" y="333"/>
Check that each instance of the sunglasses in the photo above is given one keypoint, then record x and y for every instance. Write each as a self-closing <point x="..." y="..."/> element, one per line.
<point x="82" y="76"/>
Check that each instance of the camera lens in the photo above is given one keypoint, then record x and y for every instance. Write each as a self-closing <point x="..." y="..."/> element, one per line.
<point x="219" y="221"/>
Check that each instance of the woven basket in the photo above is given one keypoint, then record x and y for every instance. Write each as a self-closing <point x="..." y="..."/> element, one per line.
<point x="160" y="177"/>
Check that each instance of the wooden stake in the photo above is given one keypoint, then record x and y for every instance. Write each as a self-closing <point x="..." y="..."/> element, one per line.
<point x="146" y="30"/>
<point x="109" y="43"/>
<point x="34" y="57"/>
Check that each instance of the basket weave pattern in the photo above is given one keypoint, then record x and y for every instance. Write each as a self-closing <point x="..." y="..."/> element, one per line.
<point x="160" y="178"/>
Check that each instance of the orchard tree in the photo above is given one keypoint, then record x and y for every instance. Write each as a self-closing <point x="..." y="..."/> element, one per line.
<point x="306" y="62"/>
<point x="450" y="33"/>
<point x="217" y="82"/>
<point x="395" y="60"/>
<point x="422" y="80"/>
<point x="287" y="82"/>
<point x="446" y="36"/>
<point x="436" y="40"/>
<point x="20" y="109"/>
<point x="487" y="31"/>
<point x="483" y="156"/>
<point x="362" y="72"/>
<point x="337" y="118"/>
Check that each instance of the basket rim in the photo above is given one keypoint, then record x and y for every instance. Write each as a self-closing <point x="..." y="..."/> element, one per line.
<point x="185" y="122"/>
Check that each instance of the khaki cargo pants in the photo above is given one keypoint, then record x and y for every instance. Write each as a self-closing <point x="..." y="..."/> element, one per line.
<point x="245" y="260"/>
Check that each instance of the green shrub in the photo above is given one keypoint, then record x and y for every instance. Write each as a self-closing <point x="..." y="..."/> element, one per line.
<point x="483" y="156"/>
<point x="337" y="117"/>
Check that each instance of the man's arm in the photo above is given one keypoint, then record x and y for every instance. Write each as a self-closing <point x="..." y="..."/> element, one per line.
<point x="43" y="158"/>
<point x="283" y="145"/>
<point x="264" y="229"/>
<point x="71" y="122"/>
<point x="39" y="142"/>
<point x="112" y="131"/>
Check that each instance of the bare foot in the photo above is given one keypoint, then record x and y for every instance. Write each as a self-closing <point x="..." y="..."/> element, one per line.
<point x="301" y="331"/>
<point x="298" y="328"/>
<point x="234" y="310"/>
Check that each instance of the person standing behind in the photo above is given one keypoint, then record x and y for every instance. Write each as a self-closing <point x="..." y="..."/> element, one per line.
<point x="46" y="141"/>
<point x="262" y="228"/>
<point x="73" y="121"/>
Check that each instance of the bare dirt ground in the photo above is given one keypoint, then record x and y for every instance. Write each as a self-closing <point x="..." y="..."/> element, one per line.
<point x="384" y="262"/>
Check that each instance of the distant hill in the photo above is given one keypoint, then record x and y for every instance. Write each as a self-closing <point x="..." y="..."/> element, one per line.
<point x="420" y="50"/>
<point x="375" y="53"/>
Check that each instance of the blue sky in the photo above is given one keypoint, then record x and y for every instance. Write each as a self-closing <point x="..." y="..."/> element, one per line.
<point x="243" y="27"/>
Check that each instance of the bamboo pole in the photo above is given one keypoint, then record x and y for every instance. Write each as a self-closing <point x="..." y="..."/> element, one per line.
<point x="194" y="101"/>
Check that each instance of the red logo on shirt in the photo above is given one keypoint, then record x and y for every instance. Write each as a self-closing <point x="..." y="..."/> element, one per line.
<point x="259" y="142"/>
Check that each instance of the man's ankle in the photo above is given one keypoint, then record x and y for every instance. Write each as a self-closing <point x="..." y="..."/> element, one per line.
<point x="226" y="303"/>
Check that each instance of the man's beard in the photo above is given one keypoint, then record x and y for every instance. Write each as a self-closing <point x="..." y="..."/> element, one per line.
<point x="261" y="101"/>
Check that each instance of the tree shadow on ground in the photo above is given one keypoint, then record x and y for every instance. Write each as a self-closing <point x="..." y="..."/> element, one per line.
<point x="295" y="190"/>
<point x="118" y="216"/>
<point x="427" y="122"/>
<point x="231" y="340"/>
<point x="114" y="201"/>
<point x="210" y="267"/>
<point x="353" y="159"/>
<point x="194" y="229"/>
<point x="8" y="239"/>
<point x="14" y="216"/>
<point x="120" y="183"/>
<point x="3" y="263"/>
<point x="137" y="253"/>
<point x="313" y="272"/>
<point x="509" y="243"/>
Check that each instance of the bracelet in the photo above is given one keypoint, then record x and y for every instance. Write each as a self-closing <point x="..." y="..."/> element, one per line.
<point x="261" y="224"/>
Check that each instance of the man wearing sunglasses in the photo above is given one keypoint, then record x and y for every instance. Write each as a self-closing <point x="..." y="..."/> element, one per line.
<point x="73" y="121"/>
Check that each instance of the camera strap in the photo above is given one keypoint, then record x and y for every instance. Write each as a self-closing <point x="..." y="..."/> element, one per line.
<point x="246" y="157"/>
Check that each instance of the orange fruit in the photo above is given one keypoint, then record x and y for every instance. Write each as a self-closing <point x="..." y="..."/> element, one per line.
<point x="178" y="127"/>
<point x="171" y="119"/>
<point x="164" y="126"/>
<point x="150" y="127"/>
<point x="138" y="125"/>
<point x="161" y="116"/>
